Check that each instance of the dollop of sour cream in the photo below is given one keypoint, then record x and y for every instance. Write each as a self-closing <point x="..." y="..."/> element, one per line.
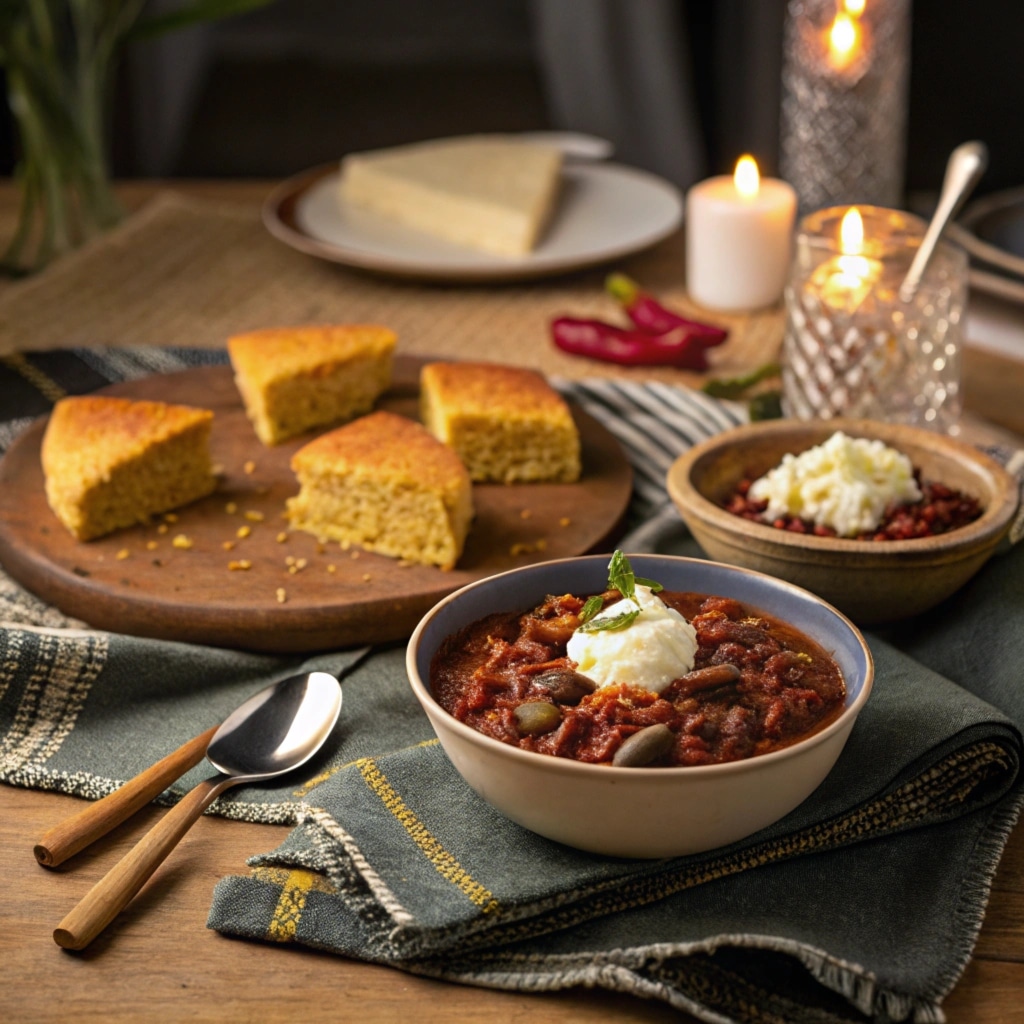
<point x="657" y="647"/>
<point x="845" y="483"/>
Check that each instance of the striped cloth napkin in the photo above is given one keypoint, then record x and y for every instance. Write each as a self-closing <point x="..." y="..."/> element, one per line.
<point x="864" y="903"/>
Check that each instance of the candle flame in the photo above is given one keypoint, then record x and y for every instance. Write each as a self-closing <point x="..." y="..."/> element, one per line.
<point x="746" y="177"/>
<point x="855" y="8"/>
<point x="851" y="245"/>
<point x="851" y="232"/>
<point x="844" y="38"/>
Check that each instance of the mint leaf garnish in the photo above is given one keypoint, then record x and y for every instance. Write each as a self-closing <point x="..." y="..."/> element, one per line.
<point x="620" y="621"/>
<point x="591" y="608"/>
<point x="620" y="578"/>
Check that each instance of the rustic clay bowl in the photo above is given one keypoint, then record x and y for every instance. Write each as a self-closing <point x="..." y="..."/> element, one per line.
<point x="873" y="582"/>
<point x="641" y="812"/>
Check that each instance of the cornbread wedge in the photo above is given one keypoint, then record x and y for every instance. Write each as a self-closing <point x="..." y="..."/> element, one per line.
<point x="113" y="462"/>
<point x="293" y="379"/>
<point x="506" y="424"/>
<point x="384" y="483"/>
<point x="490" y="192"/>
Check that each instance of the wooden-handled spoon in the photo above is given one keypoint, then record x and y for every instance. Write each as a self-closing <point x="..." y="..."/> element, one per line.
<point x="98" y="818"/>
<point x="272" y="733"/>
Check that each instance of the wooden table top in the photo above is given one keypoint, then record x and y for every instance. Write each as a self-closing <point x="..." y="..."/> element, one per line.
<point x="159" y="962"/>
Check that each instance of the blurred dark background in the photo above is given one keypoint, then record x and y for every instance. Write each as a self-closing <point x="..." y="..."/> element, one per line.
<point x="301" y="82"/>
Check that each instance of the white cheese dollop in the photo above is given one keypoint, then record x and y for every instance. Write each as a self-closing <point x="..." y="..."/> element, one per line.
<point x="657" y="647"/>
<point x="845" y="483"/>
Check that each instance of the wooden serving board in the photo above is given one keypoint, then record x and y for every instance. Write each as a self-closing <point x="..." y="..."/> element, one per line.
<point x="136" y="581"/>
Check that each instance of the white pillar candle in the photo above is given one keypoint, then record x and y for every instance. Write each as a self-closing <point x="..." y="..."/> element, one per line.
<point x="739" y="233"/>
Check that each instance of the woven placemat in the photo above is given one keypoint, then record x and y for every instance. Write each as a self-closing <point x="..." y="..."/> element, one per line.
<point x="191" y="272"/>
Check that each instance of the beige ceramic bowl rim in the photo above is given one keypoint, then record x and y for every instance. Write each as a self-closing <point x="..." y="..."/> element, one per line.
<point x="985" y="530"/>
<point x="567" y="766"/>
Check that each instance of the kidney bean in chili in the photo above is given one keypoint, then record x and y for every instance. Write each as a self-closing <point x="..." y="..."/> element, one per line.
<point x="940" y="510"/>
<point x="780" y="687"/>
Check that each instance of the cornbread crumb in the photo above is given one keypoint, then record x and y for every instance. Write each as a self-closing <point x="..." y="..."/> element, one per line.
<point x="231" y="508"/>
<point x="182" y="541"/>
<point x="301" y="563"/>
<point x="170" y="517"/>
<point x="282" y="537"/>
<point x="564" y="521"/>
<point x="507" y="424"/>
<point x="123" y="554"/>
<point x="228" y="545"/>
<point x="345" y="544"/>
<point x="113" y="462"/>
<point x="242" y="565"/>
<point x="353" y="555"/>
<point x="331" y="567"/>
<point x="249" y="467"/>
<point x="293" y="379"/>
<point x="383" y="482"/>
<point x="282" y="595"/>
<point x="289" y="560"/>
<point x="151" y="545"/>
<point x="253" y="516"/>
<point x="243" y="531"/>
<point x="528" y="547"/>
<point x="367" y="577"/>
<point x="162" y="528"/>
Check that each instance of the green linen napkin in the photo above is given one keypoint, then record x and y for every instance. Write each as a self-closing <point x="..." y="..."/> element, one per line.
<point x="863" y="903"/>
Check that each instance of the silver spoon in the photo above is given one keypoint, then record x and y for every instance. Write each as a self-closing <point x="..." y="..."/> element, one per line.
<point x="966" y="165"/>
<point x="273" y="732"/>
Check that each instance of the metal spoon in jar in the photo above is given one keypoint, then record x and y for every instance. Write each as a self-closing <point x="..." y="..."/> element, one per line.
<point x="273" y="732"/>
<point x="966" y="165"/>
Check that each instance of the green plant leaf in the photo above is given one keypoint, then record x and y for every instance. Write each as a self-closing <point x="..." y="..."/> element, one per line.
<point x="193" y="13"/>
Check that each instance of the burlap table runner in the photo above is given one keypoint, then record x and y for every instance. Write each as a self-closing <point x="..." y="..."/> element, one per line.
<point x="192" y="272"/>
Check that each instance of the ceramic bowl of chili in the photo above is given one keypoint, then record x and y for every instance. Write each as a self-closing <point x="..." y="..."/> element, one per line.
<point x="874" y="582"/>
<point x="640" y="812"/>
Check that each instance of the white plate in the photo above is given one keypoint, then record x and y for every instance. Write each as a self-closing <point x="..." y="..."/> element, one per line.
<point x="605" y="211"/>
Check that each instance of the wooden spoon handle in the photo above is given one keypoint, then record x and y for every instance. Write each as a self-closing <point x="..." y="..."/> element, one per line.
<point x="111" y="894"/>
<point x="97" y="819"/>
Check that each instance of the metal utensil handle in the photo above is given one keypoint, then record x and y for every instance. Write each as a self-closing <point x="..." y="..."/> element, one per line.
<point x="98" y="818"/>
<point x="966" y="165"/>
<point x="112" y="893"/>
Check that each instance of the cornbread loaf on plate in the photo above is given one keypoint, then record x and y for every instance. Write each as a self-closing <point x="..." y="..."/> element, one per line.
<point x="385" y="483"/>
<point x="293" y="379"/>
<point x="495" y="193"/>
<point x="507" y="424"/>
<point x="114" y="462"/>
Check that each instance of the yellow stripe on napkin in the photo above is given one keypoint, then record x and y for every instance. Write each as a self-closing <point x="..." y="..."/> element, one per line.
<point x="444" y="863"/>
<point x="294" y="884"/>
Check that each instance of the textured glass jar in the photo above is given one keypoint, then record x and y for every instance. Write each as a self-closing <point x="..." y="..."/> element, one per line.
<point x="852" y="347"/>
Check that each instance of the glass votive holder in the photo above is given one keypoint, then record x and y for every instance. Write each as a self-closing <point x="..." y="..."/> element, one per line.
<point x="852" y="346"/>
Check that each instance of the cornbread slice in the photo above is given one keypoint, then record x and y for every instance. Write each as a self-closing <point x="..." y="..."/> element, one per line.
<point x="490" y="192"/>
<point x="293" y="379"/>
<point x="384" y="483"/>
<point x="505" y="423"/>
<point x="113" y="462"/>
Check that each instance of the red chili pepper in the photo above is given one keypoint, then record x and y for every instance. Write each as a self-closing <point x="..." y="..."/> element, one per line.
<point x="682" y="346"/>
<point x="650" y="315"/>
